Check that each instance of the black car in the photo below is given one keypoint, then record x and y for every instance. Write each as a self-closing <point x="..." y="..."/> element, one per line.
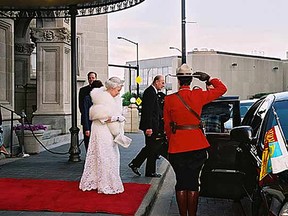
<point x="232" y="170"/>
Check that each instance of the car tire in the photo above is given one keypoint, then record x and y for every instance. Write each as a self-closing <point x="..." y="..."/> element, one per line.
<point x="259" y="207"/>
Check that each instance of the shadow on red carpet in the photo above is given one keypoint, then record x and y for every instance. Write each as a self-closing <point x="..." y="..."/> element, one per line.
<point x="65" y="196"/>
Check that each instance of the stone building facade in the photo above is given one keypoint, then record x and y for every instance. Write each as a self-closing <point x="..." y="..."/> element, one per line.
<point x="35" y="66"/>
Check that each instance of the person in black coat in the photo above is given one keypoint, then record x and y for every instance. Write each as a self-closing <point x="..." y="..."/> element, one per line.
<point x="149" y="124"/>
<point x="87" y="103"/>
<point x="83" y="92"/>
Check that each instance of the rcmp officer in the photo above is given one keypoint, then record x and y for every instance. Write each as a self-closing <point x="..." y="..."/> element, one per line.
<point x="187" y="142"/>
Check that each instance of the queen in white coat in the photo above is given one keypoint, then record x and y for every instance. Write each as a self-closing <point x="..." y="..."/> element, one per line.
<point x="102" y="165"/>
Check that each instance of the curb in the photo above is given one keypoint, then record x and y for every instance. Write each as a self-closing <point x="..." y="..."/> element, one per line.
<point x="156" y="184"/>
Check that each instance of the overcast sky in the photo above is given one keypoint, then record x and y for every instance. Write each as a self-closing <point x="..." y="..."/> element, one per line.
<point x="241" y="26"/>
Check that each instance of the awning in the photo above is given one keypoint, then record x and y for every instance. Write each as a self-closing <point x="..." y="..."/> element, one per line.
<point x="60" y="8"/>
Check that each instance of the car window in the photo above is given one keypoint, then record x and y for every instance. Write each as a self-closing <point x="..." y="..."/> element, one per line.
<point x="259" y="115"/>
<point x="216" y="116"/>
<point x="281" y="109"/>
<point x="244" y="106"/>
<point x="243" y="110"/>
<point x="251" y="112"/>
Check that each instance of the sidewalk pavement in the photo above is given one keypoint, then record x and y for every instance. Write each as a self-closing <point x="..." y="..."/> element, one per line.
<point x="159" y="201"/>
<point x="46" y="165"/>
<point x="166" y="205"/>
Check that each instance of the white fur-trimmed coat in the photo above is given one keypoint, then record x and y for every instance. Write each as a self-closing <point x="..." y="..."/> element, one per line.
<point x="105" y="106"/>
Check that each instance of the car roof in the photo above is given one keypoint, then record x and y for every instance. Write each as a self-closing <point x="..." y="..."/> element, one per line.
<point x="228" y="98"/>
<point x="250" y="101"/>
<point x="281" y="95"/>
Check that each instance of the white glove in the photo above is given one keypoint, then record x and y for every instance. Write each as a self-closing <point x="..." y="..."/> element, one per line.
<point x="119" y="118"/>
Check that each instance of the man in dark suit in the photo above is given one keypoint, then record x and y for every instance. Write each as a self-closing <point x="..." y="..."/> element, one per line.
<point x="83" y="92"/>
<point x="149" y="124"/>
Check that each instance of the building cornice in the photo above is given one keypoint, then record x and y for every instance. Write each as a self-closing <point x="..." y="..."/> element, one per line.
<point x="24" y="48"/>
<point x="55" y="35"/>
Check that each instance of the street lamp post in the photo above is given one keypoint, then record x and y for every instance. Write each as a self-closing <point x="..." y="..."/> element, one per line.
<point x="183" y="22"/>
<point x="171" y="47"/>
<point x="74" y="150"/>
<point x="137" y="60"/>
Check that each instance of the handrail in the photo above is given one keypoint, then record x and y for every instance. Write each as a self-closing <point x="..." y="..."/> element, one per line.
<point x="7" y="108"/>
<point x="11" y="131"/>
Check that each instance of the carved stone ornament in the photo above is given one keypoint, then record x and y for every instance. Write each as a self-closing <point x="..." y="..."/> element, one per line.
<point x="24" y="48"/>
<point x="66" y="50"/>
<point x="39" y="35"/>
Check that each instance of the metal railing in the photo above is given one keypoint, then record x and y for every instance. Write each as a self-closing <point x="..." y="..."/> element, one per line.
<point x="24" y="121"/>
<point x="11" y="125"/>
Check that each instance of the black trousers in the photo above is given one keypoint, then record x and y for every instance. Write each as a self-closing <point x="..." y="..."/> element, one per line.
<point x="149" y="152"/>
<point x="86" y="140"/>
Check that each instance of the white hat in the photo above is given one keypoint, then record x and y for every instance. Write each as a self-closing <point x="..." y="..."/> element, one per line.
<point x="184" y="71"/>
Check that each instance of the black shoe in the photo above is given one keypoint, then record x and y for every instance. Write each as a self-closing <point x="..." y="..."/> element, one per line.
<point x="134" y="169"/>
<point x="156" y="175"/>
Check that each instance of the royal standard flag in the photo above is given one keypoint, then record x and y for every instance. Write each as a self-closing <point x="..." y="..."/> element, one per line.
<point x="278" y="151"/>
<point x="275" y="155"/>
<point x="266" y="163"/>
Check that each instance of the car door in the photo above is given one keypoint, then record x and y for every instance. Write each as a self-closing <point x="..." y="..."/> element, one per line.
<point x="220" y="176"/>
<point x="248" y="160"/>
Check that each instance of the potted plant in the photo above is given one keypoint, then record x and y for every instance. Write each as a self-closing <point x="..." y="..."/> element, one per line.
<point x="29" y="135"/>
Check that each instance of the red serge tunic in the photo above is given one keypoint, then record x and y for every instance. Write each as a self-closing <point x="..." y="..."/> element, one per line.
<point x="174" y="110"/>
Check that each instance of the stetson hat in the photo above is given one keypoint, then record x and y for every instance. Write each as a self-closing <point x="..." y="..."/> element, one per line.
<point x="184" y="71"/>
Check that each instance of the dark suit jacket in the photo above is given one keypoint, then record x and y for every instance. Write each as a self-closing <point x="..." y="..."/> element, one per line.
<point x="87" y="103"/>
<point x="83" y="92"/>
<point x="150" y="113"/>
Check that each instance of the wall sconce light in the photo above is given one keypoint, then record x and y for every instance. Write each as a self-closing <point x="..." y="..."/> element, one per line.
<point x="275" y="68"/>
<point x="234" y="64"/>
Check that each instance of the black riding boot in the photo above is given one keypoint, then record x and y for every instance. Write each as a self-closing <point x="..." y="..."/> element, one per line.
<point x="192" y="202"/>
<point x="181" y="197"/>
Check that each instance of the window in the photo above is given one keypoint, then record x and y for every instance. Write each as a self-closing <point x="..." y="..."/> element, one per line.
<point x="281" y="110"/>
<point x="216" y="117"/>
<point x="33" y="64"/>
<point x="78" y="53"/>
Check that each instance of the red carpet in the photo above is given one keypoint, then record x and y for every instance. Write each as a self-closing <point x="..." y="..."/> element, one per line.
<point x="65" y="196"/>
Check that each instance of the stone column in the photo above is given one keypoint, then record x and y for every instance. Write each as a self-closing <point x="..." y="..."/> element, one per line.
<point x="53" y="77"/>
<point x="132" y="119"/>
<point x="25" y="86"/>
<point x="6" y="66"/>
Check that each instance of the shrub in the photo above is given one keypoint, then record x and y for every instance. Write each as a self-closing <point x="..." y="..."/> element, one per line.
<point x="126" y="98"/>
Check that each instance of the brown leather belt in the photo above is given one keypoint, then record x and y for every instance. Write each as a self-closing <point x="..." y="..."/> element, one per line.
<point x="175" y="127"/>
<point x="186" y="127"/>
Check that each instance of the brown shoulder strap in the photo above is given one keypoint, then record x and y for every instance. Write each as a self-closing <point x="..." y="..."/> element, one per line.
<point x="187" y="106"/>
